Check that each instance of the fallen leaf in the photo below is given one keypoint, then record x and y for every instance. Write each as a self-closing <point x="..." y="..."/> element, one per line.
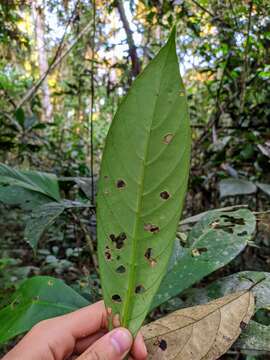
<point x="203" y="332"/>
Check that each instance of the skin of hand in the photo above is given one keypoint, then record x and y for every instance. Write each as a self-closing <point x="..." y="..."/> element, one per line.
<point x="81" y="332"/>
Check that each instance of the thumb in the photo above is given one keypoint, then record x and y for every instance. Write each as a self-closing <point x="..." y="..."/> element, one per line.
<point x="115" y="345"/>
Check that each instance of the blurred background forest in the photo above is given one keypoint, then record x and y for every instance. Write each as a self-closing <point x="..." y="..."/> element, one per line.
<point x="64" y="67"/>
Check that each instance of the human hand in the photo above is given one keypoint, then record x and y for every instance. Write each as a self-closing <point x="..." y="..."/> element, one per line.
<point x="81" y="332"/>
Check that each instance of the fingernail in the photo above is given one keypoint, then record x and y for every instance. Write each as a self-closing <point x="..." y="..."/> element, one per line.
<point x="121" y="340"/>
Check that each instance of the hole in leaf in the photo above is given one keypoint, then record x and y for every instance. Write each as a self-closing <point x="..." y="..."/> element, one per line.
<point x="118" y="240"/>
<point x="164" y="195"/>
<point x="162" y="344"/>
<point x="139" y="289"/>
<point x="108" y="254"/>
<point x="116" y="298"/>
<point x="198" y="251"/>
<point x="121" y="269"/>
<point x="148" y="255"/>
<point x="120" y="184"/>
<point x="243" y="325"/>
<point x="168" y="138"/>
<point x="243" y="233"/>
<point x="233" y="220"/>
<point x="151" y="228"/>
<point x="227" y="228"/>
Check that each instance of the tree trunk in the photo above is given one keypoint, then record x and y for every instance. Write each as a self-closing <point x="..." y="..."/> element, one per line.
<point x="38" y="14"/>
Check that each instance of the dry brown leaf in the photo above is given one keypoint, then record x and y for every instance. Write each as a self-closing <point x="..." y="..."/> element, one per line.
<point x="203" y="332"/>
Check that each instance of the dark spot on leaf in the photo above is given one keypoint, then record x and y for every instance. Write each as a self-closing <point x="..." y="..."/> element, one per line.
<point x="148" y="253"/>
<point x="118" y="257"/>
<point x="116" y="298"/>
<point x="167" y="138"/>
<point x="227" y="228"/>
<point x="151" y="228"/>
<point x="233" y="220"/>
<point x="108" y="254"/>
<point x="106" y="177"/>
<point x="120" y="184"/>
<point x="243" y="325"/>
<point x="121" y="269"/>
<point x="139" y="289"/>
<point x="118" y="240"/>
<point x="164" y="195"/>
<point x="243" y="233"/>
<point x="162" y="344"/>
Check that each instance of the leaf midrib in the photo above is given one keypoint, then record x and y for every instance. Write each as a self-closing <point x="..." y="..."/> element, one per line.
<point x="133" y="264"/>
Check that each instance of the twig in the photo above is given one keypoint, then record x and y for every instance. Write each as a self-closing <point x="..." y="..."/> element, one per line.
<point x="52" y="66"/>
<point x="245" y="67"/>
<point x="91" y="128"/>
<point x="136" y="66"/>
<point x="88" y="239"/>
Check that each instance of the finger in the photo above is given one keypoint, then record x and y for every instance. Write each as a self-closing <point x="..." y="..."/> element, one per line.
<point x="115" y="345"/>
<point x="139" y="351"/>
<point x="84" y="322"/>
<point x="85" y="343"/>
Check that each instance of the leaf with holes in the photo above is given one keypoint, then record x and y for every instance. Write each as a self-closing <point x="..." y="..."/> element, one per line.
<point x="203" y="332"/>
<point x="38" y="298"/>
<point x="142" y="186"/>
<point x="212" y="243"/>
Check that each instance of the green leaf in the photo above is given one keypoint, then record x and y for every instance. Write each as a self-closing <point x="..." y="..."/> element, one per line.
<point x="40" y="219"/>
<point x="233" y="283"/>
<point x="20" y="116"/>
<point x="213" y="242"/>
<point x="43" y="183"/>
<point x="38" y="298"/>
<point x="264" y="187"/>
<point x="142" y="186"/>
<point x="26" y="199"/>
<point x="234" y="186"/>
<point x="255" y="339"/>
<point x="44" y="216"/>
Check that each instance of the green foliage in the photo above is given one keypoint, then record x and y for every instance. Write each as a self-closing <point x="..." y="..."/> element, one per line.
<point x="142" y="186"/>
<point x="212" y="243"/>
<point x="37" y="299"/>
<point x="38" y="192"/>
<point x="43" y="183"/>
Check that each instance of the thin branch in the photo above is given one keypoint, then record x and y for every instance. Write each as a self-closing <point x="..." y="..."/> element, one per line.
<point x="136" y="66"/>
<point x="91" y="128"/>
<point x="52" y="66"/>
<point x="246" y="61"/>
<point x="203" y="8"/>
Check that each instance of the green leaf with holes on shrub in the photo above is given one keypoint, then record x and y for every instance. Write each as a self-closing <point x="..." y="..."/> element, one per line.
<point x="40" y="182"/>
<point x="38" y="298"/>
<point x="212" y="243"/>
<point x="142" y="187"/>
